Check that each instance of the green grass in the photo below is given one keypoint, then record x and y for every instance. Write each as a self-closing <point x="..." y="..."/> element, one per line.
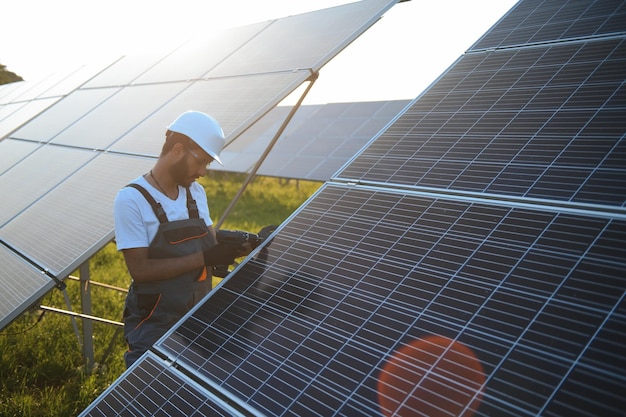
<point x="41" y="365"/>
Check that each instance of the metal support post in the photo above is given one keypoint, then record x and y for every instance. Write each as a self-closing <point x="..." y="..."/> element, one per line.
<point x="85" y="303"/>
<point x="256" y="167"/>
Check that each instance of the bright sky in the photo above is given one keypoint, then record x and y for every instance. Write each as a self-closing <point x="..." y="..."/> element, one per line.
<point x="396" y="59"/>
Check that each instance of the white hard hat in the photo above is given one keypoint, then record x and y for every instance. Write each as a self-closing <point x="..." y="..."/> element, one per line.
<point x="202" y="129"/>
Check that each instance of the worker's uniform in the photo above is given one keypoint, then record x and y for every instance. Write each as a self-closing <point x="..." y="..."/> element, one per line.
<point x="153" y="307"/>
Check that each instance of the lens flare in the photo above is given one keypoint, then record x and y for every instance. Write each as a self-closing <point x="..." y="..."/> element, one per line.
<point x="432" y="376"/>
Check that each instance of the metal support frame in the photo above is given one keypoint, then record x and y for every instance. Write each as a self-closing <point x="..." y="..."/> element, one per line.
<point x="269" y="147"/>
<point x="86" y="341"/>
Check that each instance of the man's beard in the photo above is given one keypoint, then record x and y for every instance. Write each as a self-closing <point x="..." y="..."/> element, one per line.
<point x="180" y="173"/>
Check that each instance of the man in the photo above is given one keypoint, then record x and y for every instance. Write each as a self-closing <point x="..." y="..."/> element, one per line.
<point x="164" y="229"/>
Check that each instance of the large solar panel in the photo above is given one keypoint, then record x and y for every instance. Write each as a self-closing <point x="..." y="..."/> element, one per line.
<point x="316" y="142"/>
<point x="539" y="21"/>
<point x="358" y="274"/>
<point x="23" y="283"/>
<point x="156" y="389"/>
<point x="469" y="261"/>
<point x="109" y="128"/>
<point x="537" y="122"/>
<point x="72" y="217"/>
<point x="22" y="101"/>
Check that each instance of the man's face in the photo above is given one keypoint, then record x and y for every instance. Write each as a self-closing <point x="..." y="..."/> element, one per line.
<point x="190" y="167"/>
<point x="181" y="172"/>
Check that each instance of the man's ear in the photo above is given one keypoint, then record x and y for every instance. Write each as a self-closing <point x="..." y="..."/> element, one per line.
<point x="178" y="149"/>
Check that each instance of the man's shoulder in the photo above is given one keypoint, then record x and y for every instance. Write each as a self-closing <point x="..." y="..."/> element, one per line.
<point x="128" y="192"/>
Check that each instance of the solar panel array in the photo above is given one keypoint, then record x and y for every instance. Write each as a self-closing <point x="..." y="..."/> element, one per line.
<point x="469" y="261"/>
<point x="92" y="140"/>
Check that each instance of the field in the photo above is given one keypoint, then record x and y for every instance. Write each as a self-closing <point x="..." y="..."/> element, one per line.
<point x="41" y="365"/>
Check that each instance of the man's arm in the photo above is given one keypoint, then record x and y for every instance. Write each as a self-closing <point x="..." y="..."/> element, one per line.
<point x="145" y="269"/>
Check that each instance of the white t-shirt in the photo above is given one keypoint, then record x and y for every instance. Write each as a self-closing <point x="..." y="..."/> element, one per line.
<point x="135" y="221"/>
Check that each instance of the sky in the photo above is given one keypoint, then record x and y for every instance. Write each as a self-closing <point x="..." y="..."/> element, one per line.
<point x="395" y="59"/>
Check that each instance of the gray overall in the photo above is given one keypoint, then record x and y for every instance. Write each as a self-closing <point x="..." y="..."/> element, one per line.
<point x="153" y="307"/>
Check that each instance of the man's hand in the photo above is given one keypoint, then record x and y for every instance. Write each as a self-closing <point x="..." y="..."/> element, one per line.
<point x="223" y="253"/>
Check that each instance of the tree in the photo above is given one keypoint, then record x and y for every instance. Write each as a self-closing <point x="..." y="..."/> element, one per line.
<point x="7" y="76"/>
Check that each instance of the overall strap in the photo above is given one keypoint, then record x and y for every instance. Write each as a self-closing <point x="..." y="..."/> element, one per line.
<point x="192" y="207"/>
<point x="156" y="207"/>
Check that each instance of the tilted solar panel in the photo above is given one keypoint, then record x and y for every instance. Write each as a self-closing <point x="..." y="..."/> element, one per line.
<point x="528" y="303"/>
<point x="155" y="389"/>
<point x="14" y="115"/>
<point x="58" y="231"/>
<point x="13" y="151"/>
<point x="320" y="145"/>
<point x="22" y="101"/>
<point x="306" y="40"/>
<point x="22" y="285"/>
<point x="542" y="122"/>
<point x="316" y="142"/>
<point x="539" y="21"/>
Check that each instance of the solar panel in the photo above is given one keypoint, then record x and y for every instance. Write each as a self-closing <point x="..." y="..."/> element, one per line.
<point x="59" y="230"/>
<point x="469" y="261"/>
<point x="12" y="151"/>
<point x="280" y="47"/>
<point x="221" y="45"/>
<point x="21" y="101"/>
<point x="534" y="122"/>
<point x="15" y="115"/>
<point x="154" y="389"/>
<point x="22" y="284"/>
<point x="318" y="140"/>
<point x="543" y="20"/>
<point x="59" y="117"/>
<point x="311" y="324"/>
<point x="57" y="163"/>
<point x="317" y="148"/>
